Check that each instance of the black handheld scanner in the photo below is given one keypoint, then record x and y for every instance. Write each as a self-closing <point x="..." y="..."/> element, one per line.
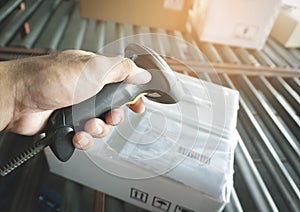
<point x="163" y="87"/>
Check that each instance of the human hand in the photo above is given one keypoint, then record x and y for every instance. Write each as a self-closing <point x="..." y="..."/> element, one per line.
<point x="33" y="88"/>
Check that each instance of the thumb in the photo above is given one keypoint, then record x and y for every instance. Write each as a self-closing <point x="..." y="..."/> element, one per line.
<point x="102" y="70"/>
<point x="125" y="69"/>
<point x="137" y="75"/>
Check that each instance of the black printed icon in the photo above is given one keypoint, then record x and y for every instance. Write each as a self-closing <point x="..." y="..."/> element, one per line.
<point x="160" y="203"/>
<point x="138" y="195"/>
<point x="182" y="209"/>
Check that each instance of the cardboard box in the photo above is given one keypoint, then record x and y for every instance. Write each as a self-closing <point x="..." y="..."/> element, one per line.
<point x="234" y="22"/>
<point x="166" y="14"/>
<point x="286" y="29"/>
<point x="171" y="158"/>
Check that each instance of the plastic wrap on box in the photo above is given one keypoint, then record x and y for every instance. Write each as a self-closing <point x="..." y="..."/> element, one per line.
<point x="190" y="144"/>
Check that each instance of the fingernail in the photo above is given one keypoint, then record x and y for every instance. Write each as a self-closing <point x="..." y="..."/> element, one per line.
<point x="116" y="119"/>
<point x="98" y="129"/>
<point x="84" y="141"/>
<point x="140" y="77"/>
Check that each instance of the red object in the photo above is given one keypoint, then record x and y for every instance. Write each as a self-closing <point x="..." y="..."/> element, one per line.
<point x="22" y="6"/>
<point x="26" y="28"/>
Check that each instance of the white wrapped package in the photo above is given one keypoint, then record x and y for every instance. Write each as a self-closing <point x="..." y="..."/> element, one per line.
<point x="190" y="144"/>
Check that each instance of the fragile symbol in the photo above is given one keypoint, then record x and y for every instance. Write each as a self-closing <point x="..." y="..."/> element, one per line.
<point x="160" y="203"/>
<point x="182" y="209"/>
<point x="138" y="195"/>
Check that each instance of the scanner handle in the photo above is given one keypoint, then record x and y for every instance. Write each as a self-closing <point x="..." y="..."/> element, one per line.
<point x="66" y="121"/>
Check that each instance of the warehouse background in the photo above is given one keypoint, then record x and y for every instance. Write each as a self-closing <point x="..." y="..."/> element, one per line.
<point x="267" y="167"/>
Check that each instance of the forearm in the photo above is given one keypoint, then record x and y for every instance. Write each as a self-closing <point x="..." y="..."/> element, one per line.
<point x="6" y="94"/>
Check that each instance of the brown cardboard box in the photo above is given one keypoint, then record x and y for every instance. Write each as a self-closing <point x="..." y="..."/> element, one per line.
<point x="166" y="14"/>
<point x="286" y="29"/>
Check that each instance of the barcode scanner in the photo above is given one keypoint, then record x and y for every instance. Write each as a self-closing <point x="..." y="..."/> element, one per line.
<point x="163" y="87"/>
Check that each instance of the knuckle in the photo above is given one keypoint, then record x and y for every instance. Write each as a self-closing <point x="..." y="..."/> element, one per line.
<point x="74" y="56"/>
<point x="126" y="64"/>
<point x="121" y="70"/>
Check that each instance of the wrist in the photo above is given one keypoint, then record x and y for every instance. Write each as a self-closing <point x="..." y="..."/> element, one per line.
<point x="7" y="92"/>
